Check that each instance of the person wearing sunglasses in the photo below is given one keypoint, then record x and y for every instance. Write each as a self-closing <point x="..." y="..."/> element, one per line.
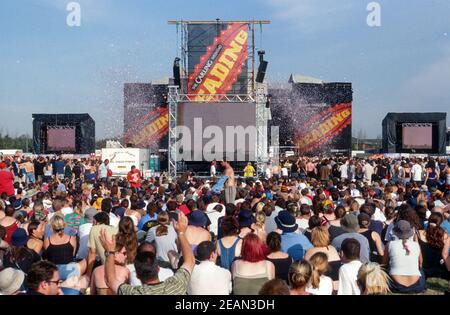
<point x="43" y="279"/>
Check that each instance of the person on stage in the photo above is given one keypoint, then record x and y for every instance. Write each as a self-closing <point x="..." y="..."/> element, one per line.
<point x="213" y="170"/>
<point x="249" y="171"/>
<point x="230" y="184"/>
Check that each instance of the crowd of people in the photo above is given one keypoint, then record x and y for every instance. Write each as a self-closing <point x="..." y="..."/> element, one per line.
<point x="313" y="226"/>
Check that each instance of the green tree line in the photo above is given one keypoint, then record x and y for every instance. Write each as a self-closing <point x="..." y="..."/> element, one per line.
<point x="25" y="143"/>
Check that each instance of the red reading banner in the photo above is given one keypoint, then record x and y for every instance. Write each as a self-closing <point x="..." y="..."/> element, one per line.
<point x="155" y="126"/>
<point x="324" y="127"/>
<point x="220" y="66"/>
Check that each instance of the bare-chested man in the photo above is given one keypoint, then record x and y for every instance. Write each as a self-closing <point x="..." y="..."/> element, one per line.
<point x="230" y="184"/>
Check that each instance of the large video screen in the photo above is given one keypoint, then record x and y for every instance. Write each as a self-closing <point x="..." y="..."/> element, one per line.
<point x="210" y="131"/>
<point x="61" y="139"/>
<point x="417" y="136"/>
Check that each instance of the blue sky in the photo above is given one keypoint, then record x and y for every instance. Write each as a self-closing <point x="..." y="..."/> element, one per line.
<point x="46" y="66"/>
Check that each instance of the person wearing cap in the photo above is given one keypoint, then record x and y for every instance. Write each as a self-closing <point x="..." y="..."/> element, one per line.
<point x="246" y="220"/>
<point x="18" y="256"/>
<point x="404" y="260"/>
<point x="293" y="243"/>
<point x="351" y="226"/>
<point x="196" y="231"/>
<point x="11" y="281"/>
<point x="83" y="233"/>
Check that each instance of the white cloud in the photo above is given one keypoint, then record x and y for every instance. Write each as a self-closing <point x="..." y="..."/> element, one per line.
<point x="313" y="15"/>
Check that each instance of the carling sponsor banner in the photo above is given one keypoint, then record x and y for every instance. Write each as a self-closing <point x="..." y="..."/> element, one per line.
<point x="325" y="128"/>
<point x="150" y="129"/>
<point x="222" y="64"/>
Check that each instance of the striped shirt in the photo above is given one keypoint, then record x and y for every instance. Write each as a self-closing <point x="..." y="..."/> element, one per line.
<point x="175" y="285"/>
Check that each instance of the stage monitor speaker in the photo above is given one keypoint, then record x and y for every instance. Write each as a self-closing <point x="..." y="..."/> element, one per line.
<point x="176" y="72"/>
<point x="261" y="71"/>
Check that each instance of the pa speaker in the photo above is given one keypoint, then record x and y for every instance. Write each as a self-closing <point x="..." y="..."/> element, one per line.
<point x="176" y="72"/>
<point x="261" y="71"/>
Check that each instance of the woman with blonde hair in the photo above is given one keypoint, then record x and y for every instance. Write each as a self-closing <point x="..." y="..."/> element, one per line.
<point x="299" y="277"/>
<point x="60" y="249"/>
<point x="259" y="227"/>
<point x="320" y="238"/>
<point x="320" y="283"/>
<point x="372" y="279"/>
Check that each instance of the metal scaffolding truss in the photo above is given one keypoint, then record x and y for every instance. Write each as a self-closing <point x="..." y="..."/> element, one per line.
<point x="173" y="104"/>
<point x="217" y="98"/>
<point x="262" y="116"/>
<point x="256" y="92"/>
<point x="183" y="49"/>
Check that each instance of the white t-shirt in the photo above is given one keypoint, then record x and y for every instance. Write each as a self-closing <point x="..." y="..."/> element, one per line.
<point x="302" y="223"/>
<point x="344" y="170"/>
<point x="325" y="287"/>
<point x="368" y="172"/>
<point x="348" y="275"/>
<point x="103" y="170"/>
<point x="378" y="215"/>
<point x="284" y="171"/>
<point x="66" y="210"/>
<point x="113" y="220"/>
<point x="417" y="171"/>
<point x="209" y="279"/>
<point x="214" y="216"/>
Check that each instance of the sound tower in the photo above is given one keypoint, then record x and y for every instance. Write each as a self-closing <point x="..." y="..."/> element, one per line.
<point x="176" y="72"/>
<point x="261" y="71"/>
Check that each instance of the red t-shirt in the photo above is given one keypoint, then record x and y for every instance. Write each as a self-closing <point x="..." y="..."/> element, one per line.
<point x="183" y="208"/>
<point x="134" y="177"/>
<point x="6" y="182"/>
